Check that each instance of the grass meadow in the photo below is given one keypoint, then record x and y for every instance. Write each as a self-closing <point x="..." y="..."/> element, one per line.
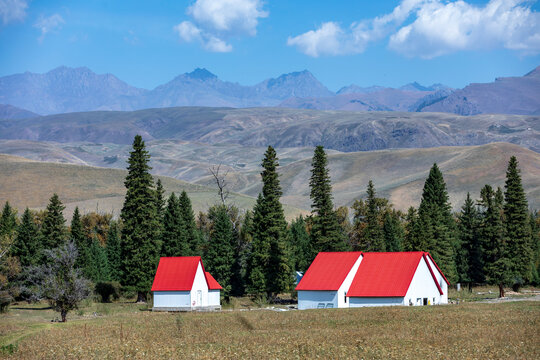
<point x="120" y="330"/>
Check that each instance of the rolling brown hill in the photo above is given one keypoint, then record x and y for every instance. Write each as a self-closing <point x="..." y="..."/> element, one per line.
<point x="25" y="182"/>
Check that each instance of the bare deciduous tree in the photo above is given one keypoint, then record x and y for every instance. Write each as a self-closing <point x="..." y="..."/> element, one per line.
<point x="58" y="281"/>
<point x="221" y="182"/>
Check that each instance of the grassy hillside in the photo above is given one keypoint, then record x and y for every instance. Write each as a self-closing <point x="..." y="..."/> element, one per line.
<point x="339" y="130"/>
<point x="30" y="183"/>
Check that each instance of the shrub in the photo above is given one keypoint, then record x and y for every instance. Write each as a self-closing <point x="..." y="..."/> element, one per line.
<point x="106" y="289"/>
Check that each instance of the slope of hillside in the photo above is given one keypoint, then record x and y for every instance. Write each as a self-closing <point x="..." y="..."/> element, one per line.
<point x="511" y="95"/>
<point x="398" y="174"/>
<point x="31" y="183"/>
<point x="339" y="130"/>
<point x="12" y="112"/>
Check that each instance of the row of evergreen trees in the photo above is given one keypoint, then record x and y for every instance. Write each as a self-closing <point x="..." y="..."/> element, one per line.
<point x="494" y="239"/>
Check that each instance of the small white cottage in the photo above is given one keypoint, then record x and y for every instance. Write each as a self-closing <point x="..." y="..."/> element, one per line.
<point x="182" y="284"/>
<point x="356" y="279"/>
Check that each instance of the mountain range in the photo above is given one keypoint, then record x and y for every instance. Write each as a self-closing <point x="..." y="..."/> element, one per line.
<point x="67" y="89"/>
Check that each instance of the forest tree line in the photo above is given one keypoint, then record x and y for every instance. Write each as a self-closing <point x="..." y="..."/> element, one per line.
<point x="493" y="239"/>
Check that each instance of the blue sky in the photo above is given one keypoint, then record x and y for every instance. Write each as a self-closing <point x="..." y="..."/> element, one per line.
<point x="390" y="43"/>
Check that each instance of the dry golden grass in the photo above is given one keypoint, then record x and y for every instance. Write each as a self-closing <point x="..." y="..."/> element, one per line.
<point x="468" y="331"/>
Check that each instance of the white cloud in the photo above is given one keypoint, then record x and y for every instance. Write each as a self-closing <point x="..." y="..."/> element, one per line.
<point x="438" y="27"/>
<point x="216" y="21"/>
<point x="445" y="28"/>
<point x="12" y="10"/>
<point x="48" y="24"/>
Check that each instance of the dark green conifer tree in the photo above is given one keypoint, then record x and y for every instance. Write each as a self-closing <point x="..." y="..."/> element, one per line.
<point x="27" y="242"/>
<point x="260" y="252"/>
<point x="497" y="264"/>
<point x="140" y="242"/>
<point x="79" y="238"/>
<point x="469" y="255"/>
<point x="219" y="257"/>
<point x="300" y="244"/>
<point x="373" y="237"/>
<point x="191" y="233"/>
<point x="114" y="256"/>
<point x="97" y="265"/>
<point x="53" y="230"/>
<point x="410" y="242"/>
<point x="160" y="200"/>
<point x="436" y="227"/>
<point x="518" y="231"/>
<point x="535" y="241"/>
<point x="8" y="220"/>
<point x="393" y="232"/>
<point x="326" y="234"/>
<point x="173" y="236"/>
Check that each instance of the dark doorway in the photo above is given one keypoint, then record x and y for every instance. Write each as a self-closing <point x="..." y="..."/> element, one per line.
<point x="425" y="301"/>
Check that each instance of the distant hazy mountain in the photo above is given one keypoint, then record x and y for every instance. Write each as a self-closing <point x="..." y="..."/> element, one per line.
<point x="12" y="112"/>
<point x="511" y="95"/>
<point x="338" y="130"/>
<point x="66" y="90"/>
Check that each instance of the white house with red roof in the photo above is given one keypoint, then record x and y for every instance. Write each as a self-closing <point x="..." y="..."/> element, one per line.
<point x="182" y="284"/>
<point x="356" y="279"/>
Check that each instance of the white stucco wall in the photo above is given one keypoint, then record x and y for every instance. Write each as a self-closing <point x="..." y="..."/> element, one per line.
<point x="199" y="284"/>
<point x="422" y="286"/>
<point x="375" y="301"/>
<point x="342" y="301"/>
<point x="440" y="280"/>
<point x="311" y="299"/>
<point x="171" y="299"/>
<point x="214" y="297"/>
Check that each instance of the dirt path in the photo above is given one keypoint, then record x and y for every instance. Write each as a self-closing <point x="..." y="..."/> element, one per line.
<point x="507" y="299"/>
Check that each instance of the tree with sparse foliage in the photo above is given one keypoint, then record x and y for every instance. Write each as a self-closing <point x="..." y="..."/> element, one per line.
<point x="59" y="281"/>
<point x="140" y="242"/>
<point x="27" y="245"/>
<point x="326" y="232"/>
<point x="517" y="225"/>
<point x="497" y="263"/>
<point x="114" y="257"/>
<point x="53" y="230"/>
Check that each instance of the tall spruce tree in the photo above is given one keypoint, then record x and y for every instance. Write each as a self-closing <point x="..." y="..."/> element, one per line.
<point x="518" y="231"/>
<point x="373" y="233"/>
<point x="173" y="236"/>
<point x="27" y="242"/>
<point x="219" y="257"/>
<point x="411" y="242"/>
<point x="326" y="232"/>
<point x="53" y="229"/>
<point x="436" y="227"/>
<point x="192" y="235"/>
<point x="300" y="244"/>
<point x="97" y="265"/>
<point x="79" y="238"/>
<point x="8" y="220"/>
<point x="260" y="252"/>
<point x="393" y="232"/>
<point x="160" y="200"/>
<point x="270" y="250"/>
<point x="535" y="246"/>
<point x="114" y="256"/>
<point x="469" y="257"/>
<point x="497" y="263"/>
<point x="140" y="232"/>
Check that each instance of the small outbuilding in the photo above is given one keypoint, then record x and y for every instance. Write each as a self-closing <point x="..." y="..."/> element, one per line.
<point x="182" y="284"/>
<point x="356" y="279"/>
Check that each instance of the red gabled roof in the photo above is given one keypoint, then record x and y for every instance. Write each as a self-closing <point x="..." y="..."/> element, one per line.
<point x="437" y="266"/>
<point x="212" y="283"/>
<point x="328" y="270"/>
<point x="176" y="273"/>
<point x="385" y="274"/>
